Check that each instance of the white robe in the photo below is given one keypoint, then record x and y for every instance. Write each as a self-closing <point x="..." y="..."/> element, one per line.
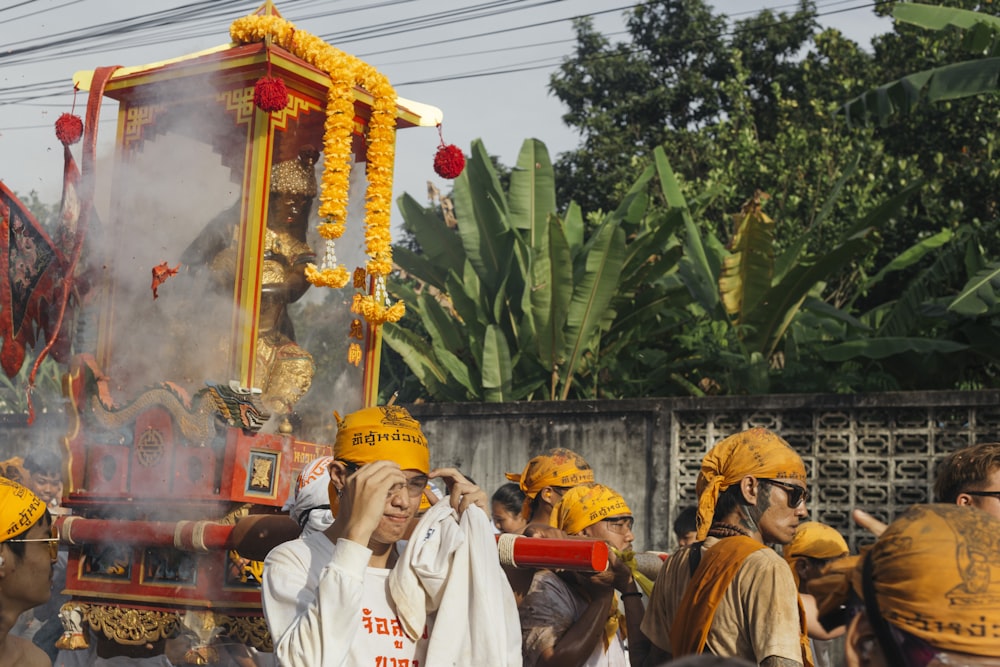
<point x="450" y="569"/>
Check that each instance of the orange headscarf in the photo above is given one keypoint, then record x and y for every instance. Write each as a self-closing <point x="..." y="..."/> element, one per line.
<point x="583" y="506"/>
<point x="383" y="433"/>
<point x="20" y="509"/>
<point x="814" y="540"/>
<point x="936" y="575"/>
<point x="756" y="452"/>
<point x="559" y="467"/>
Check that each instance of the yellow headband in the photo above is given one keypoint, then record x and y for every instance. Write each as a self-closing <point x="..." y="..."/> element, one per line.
<point x="20" y="509"/>
<point x="559" y="467"/>
<point x="583" y="506"/>
<point x="814" y="540"/>
<point x="936" y="574"/>
<point x="756" y="452"/>
<point x="383" y="433"/>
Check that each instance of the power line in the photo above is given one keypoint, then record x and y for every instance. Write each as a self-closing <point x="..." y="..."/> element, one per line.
<point x="498" y="71"/>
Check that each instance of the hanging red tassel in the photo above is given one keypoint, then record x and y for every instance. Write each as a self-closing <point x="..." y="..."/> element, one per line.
<point x="270" y="94"/>
<point x="449" y="161"/>
<point x="69" y="129"/>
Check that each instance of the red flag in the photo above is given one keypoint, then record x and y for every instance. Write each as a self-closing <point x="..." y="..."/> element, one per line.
<point x="31" y="268"/>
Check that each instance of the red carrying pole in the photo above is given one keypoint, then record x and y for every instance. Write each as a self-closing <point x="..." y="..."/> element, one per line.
<point x="557" y="554"/>
<point x="183" y="535"/>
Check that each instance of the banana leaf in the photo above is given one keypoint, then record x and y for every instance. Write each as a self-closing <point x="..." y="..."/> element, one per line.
<point x="532" y="195"/>
<point x="440" y="244"/>
<point x="980" y="294"/>
<point x="881" y="348"/>
<point x="747" y="271"/>
<point x="481" y="208"/>
<point x="496" y="367"/>
<point x="592" y="295"/>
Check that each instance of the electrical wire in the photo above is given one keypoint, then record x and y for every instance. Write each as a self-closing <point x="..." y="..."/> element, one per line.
<point x="166" y="22"/>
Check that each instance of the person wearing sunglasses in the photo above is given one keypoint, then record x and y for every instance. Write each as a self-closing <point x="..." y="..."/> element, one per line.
<point x="330" y="599"/>
<point x="926" y="594"/>
<point x="27" y="551"/>
<point x="971" y="477"/>
<point x="575" y="618"/>
<point x="728" y="594"/>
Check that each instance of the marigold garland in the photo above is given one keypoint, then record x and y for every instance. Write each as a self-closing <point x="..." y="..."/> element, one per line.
<point x="346" y="71"/>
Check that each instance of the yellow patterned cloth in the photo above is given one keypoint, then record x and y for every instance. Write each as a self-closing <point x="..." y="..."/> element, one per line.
<point x="936" y="575"/>
<point x="583" y="506"/>
<point x="814" y="540"/>
<point x="560" y="467"/>
<point x="936" y="572"/>
<point x="19" y="509"/>
<point x="383" y="433"/>
<point x="756" y="452"/>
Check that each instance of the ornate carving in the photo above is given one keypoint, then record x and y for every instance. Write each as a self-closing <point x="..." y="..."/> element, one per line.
<point x="130" y="627"/>
<point x="240" y="102"/>
<point x="136" y="119"/>
<point x="295" y="104"/>
<point x="249" y="630"/>
<point x="197" y="425"/>
<point x="149" y="447"/>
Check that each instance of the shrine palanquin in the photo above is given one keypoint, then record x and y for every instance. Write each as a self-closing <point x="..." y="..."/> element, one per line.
<point x="166" y="455"/>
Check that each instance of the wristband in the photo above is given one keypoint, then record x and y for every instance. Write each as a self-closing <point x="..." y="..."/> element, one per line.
<point x="635" y="593"/>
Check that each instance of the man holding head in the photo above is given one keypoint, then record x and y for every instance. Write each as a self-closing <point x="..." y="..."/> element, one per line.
<point x="729" y="594"/>
<point x="326" y="596"/>
<point x="27" y="552"/>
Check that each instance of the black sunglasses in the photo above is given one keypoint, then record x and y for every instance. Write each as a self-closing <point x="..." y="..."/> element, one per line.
<point x="796" y="494"/>
<point x="983" y="494"/>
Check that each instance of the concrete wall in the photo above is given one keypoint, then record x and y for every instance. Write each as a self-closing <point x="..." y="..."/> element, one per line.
<point x="875" y="451"/>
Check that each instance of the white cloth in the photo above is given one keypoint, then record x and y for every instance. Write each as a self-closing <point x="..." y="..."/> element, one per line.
<point x="310" y="492"/>
<point x="451" y="567"/>
<point x="325" y="607"/>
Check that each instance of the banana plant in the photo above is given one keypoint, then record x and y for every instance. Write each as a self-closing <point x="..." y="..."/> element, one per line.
<point x="955" y="81"/>
<point x="515" y="299"/>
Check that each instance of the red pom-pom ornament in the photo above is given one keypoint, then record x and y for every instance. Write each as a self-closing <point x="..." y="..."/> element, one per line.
<point x="449" y="161"/>
<point x="270" y="94"/>
<point x="69" y="129"/>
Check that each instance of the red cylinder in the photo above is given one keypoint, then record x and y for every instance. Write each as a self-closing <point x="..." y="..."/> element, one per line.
<point x="183" y="535"/>
<point x="557" y="554"/>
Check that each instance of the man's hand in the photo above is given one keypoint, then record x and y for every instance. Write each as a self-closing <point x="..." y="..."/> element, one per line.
<point x="362" y="501"/>
<point x="463" y="493"/>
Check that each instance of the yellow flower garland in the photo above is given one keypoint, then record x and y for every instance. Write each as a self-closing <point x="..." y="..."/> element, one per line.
<point x="345" y="72"/>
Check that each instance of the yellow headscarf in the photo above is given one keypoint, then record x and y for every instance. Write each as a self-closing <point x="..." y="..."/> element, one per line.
<point x="814" y="540"/>
<point x="19" y="509"/>
<point x="936" y="575"/>
<point x="756" y="452"/>
<point x="583" y="506"/>
<point x="559" y="467"/>
<point x="383" y="433"/>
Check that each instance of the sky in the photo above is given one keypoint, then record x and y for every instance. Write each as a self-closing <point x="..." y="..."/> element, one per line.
<point x="485" y="63"/>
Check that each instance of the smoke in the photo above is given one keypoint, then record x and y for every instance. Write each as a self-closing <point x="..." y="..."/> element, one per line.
<point x="175" y="196"/>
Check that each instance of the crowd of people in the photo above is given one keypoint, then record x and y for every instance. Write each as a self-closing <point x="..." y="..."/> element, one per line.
<point x="397" y="565"/>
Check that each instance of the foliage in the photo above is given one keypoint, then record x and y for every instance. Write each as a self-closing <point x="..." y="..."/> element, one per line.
<point x="515" y="298"/>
